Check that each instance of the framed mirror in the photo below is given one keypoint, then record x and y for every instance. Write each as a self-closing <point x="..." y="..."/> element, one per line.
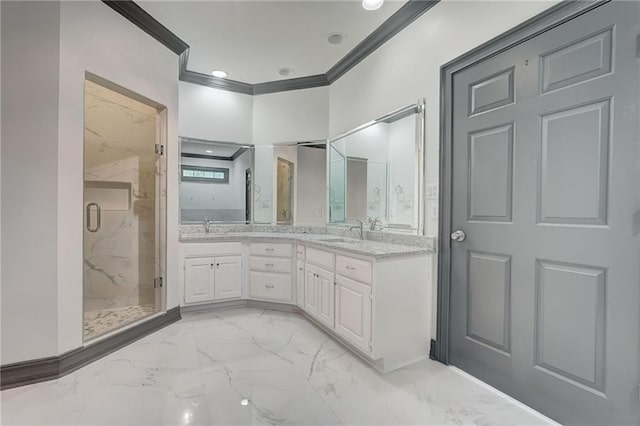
<point x="376" y="173"/>
<point x="216" y="181"/>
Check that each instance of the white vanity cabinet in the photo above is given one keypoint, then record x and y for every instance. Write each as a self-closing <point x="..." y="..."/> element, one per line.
<point x="319" y="294"/>
<point x="340" y="303"/>
<point x="199" y="280"/>
<point x="270" y="276"/>
<point x="376" y="306"/>
<point x="300" y="275"/>
<point x="379" y="306"/>
<point x="353" y="312"/>
<point x="212" y="272"/>
<point x="228" y="277"/>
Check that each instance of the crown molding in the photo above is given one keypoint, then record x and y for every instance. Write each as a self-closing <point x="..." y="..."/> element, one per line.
<point x="216" y="83"/>
<point x="147" y="23"/>
<point x="307" y="82"/>
<point x="404" y="16"/>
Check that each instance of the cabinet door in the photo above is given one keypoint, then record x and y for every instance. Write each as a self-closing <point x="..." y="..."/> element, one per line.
<point x="311" y="290"/>
<point x="300" y="276"/>
<point x="228" y="277"/>
<point x="326" y="291"/>
<point x="198" y="280"/>
<point x="353" y="312"/>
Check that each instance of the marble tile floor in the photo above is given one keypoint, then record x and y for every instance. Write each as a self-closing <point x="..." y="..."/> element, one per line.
<point x="97" y="323"/>
<point x="200" y="370"/>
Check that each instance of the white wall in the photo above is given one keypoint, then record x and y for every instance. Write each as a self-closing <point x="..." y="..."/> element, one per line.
<point x="95" y="38"/>
<point x="212" y="114"/>
<point x="30" y="32"/>
<point x="312" y="182"/>
<point x="407" y="67"/>
<point x="264" y="184"/>
<point x="292" y="116"/>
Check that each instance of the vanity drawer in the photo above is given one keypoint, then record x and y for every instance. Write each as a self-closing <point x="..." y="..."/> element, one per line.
<point x="271" y="264"/>
<point x="270" y="249"/>
<point x="357" y="269"/>
<point x="272" y="286"/>
<point x="212" y="249"/>
<point x="320" y="258"/>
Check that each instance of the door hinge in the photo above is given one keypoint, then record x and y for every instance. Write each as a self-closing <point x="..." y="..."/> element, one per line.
<point x="370" y="346"/>
<point x="157" y="282"/>
<point x="159" y="149"/>
<point x="371" y="296"/>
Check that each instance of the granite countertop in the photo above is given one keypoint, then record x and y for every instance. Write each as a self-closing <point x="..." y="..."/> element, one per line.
<point x="378" y="250"/>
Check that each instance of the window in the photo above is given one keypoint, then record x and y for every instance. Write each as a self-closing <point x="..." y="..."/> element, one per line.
<point x="205" y="174"/>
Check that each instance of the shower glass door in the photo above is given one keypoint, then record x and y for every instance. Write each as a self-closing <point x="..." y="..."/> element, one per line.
<point x="124" y="216"/>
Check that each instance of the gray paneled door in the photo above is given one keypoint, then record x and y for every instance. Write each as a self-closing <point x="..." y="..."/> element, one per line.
<point x="545" y="288"/>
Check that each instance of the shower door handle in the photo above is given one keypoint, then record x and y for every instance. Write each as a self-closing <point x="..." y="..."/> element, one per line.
<point x="98" y="217"/>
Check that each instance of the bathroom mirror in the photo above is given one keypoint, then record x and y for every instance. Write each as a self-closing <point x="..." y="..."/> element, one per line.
<point x="216" y="180"/>
<point x="290" y="183"/>
<point x="376" y="173"/>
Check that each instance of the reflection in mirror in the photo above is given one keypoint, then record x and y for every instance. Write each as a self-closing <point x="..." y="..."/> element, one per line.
<point x="215" y="181"/>
<point x="337" y="182"/>
<point x="290" y="183"/>
<point x="376" y="173"/>
<point x="263" y="185"/>
<point x="284" y="186"/>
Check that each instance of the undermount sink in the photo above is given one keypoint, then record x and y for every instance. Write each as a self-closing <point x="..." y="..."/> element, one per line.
<point x="339" y="240"/>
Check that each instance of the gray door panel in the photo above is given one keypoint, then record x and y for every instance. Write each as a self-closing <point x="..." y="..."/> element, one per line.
<point x="545" y="289"/>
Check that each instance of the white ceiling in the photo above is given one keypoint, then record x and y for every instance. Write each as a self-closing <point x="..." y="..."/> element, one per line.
<point x="252" y="40"/>
<point x="219" y="150"/>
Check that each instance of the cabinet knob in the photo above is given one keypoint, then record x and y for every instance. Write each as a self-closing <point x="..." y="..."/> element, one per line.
<point x="268" y="285"/>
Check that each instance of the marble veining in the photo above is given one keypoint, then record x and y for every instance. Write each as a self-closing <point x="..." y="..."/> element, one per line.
<point x="197" y="372"/>
<point x="121" y="174"/>
<point x="375" y="249"/>
<point x="195" y="230"/>
<point x="389" y="237"/>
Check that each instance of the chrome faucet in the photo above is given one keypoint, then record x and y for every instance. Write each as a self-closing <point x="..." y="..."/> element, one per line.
<point x="206" y="225"/>
<point x="360" y="227"/>
<point x="375" y="224"/>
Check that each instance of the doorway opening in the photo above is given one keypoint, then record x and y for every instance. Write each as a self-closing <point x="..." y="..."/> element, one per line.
<point x="124" y="205"/>
<point x="285" y="192"/>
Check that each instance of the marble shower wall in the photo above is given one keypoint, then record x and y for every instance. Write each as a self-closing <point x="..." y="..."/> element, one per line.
<point x="120" y="175"/>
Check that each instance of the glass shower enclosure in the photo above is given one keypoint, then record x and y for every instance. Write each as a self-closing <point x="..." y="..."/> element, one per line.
<point x="124" y="205"/>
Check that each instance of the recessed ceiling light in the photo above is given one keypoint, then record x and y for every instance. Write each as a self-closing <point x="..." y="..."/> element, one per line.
<point x="336" y="38"/>
<point x="209" y="151"/>
<point x="372" y="4"/>
<point x="285" y="72"/>
<point x="219" y="73"/>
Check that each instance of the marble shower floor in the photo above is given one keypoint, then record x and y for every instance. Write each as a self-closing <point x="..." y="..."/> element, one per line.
<point x="97" y="323"/>
<point x="197" y="372"/>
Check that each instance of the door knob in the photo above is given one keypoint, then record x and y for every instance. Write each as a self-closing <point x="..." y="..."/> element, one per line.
<point x="458" y="235"/>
